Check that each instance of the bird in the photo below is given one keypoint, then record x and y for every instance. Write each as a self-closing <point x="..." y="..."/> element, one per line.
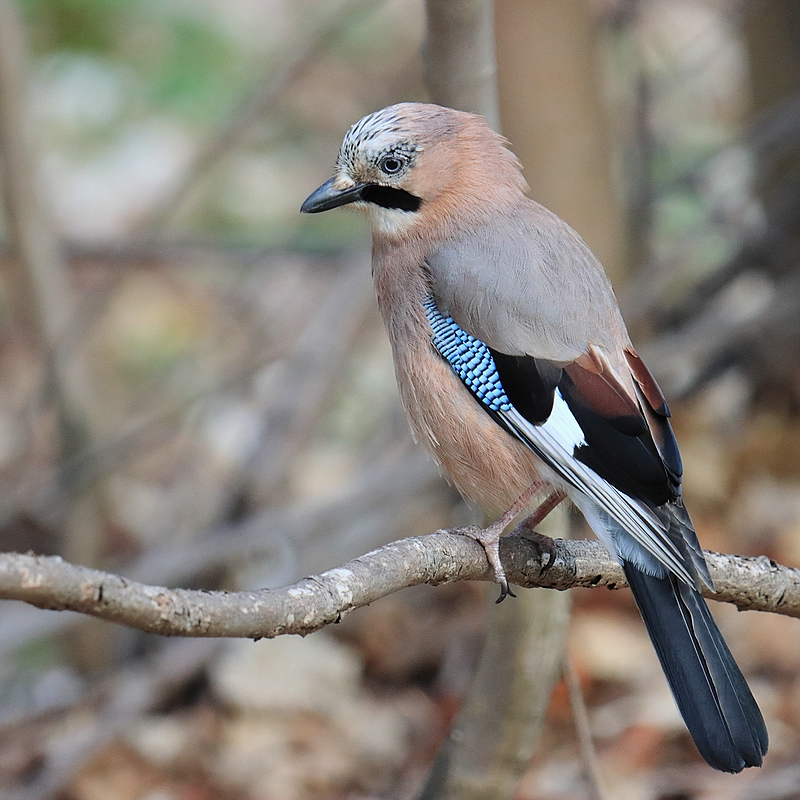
<point x="517" y="373"/>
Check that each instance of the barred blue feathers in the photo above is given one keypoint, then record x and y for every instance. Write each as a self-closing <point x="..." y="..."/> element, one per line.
<point x="469" y="357"/>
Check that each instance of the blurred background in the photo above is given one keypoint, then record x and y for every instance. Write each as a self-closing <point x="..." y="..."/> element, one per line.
<point x="196" y="390"/>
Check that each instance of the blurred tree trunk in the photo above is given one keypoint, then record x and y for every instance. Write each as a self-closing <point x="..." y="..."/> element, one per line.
<point x="459" y="54"/>
<point x="500" y="720"/>
<point x="552" y="112"/>
<point x="771" y="355"/>
<point x="45" y="298"/>
<point x="772" y="37"/>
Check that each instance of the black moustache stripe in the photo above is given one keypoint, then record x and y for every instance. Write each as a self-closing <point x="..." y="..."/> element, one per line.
<point x="388" y="197"/>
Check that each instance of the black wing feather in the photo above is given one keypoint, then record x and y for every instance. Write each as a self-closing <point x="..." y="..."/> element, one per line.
<point x="619" y="448"/>
<point x="630" y="444"/>
<point x="530" y="384"/>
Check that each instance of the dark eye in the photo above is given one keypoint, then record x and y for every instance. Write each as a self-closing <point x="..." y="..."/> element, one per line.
<point x="391" y="165"/>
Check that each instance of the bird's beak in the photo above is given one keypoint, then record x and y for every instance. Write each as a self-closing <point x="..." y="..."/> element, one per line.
<point x="329" y="196"/>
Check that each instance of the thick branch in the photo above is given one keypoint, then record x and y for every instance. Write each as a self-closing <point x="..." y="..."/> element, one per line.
<point x="49" y="582"/>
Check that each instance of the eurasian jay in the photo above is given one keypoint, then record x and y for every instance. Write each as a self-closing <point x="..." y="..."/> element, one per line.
<point x="517" y="373"/>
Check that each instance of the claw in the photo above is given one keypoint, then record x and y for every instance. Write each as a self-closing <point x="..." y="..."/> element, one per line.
<point x="505" y="591"/>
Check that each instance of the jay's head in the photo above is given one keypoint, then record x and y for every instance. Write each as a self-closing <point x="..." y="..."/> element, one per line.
<point x="414" y="167"/>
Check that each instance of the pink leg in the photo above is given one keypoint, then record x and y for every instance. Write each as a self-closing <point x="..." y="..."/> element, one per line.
<point x="489" y="537"/>
<point x="542" y="510"/>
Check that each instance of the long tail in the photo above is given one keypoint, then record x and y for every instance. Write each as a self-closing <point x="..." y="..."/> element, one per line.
<point x="710" y="691"/>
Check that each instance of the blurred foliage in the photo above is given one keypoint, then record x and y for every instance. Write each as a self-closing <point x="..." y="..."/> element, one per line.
<point x="185" y="60"/>
<point x="75" y="24"/>
<point x="126" y="92"/>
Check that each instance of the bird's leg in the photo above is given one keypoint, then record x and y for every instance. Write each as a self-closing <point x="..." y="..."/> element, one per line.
<point x="489" y="537"/>
<point x="527" y="528"/>
<point x="540" y="512"/>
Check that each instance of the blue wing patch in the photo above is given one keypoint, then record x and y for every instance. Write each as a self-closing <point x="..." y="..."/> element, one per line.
<point x="469" y="357"/>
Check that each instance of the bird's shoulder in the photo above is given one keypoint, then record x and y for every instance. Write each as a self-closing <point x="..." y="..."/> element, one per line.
<point x="524" y="282"/>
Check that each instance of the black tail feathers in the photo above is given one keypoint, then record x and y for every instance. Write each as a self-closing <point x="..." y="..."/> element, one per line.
<point x="710" y="691"/>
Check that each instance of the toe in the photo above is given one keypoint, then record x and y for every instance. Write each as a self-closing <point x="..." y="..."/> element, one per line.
<point x="489" y="539"/>
<point x="544" y="544"/>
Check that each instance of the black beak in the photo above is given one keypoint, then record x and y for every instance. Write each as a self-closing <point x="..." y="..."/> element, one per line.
<point x="327" y="197"/>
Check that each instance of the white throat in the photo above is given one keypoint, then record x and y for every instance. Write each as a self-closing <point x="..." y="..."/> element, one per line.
<point x="391" y="222"/>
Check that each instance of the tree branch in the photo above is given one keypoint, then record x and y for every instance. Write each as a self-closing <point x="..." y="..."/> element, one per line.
<point x="443" y="557"/>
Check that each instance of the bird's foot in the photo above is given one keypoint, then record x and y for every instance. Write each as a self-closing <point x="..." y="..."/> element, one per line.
<point x="544" y="544"/>
<point x="489" y="539"/>
<point x="526" y="529"/>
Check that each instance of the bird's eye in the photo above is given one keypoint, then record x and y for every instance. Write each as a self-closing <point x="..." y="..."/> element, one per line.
<point x="391" y="165"/>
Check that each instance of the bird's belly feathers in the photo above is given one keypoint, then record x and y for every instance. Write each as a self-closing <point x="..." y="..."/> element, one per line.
<point x="485" y="463"/>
